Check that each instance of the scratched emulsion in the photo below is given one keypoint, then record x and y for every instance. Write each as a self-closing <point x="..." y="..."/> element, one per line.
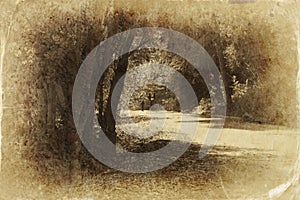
<point x="43" y="45"/>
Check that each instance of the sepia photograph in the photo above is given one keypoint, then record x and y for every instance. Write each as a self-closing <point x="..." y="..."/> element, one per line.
<point x="159" y="99"/>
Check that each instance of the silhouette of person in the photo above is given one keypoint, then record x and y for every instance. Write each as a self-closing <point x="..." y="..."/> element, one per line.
<point x="150" y="101"/>
<point x="143" y="104"/>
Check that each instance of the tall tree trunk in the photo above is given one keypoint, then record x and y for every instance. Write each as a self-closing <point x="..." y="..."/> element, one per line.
<point x="115" y="23"/>
<point x="106" y="119"/>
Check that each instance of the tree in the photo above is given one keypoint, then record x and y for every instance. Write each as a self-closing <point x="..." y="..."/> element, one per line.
<point x="114" y="23"/>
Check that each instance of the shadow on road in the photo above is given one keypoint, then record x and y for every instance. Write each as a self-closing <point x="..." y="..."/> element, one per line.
<point x="225" y="163"/>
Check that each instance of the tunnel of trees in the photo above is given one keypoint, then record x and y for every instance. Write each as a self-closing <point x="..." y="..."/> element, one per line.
<point x="60" y="45"/>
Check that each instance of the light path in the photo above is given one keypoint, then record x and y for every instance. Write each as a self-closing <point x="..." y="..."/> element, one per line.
<point x="280" y="140"/>
<point x="252" y="140"/>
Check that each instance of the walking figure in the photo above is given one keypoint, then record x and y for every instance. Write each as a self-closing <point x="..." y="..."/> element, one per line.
<point x="143" y="104"/>
<point x="149" y="97"/>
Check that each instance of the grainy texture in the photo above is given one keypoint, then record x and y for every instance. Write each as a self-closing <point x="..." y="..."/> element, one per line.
<point x="43" y="45"/>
